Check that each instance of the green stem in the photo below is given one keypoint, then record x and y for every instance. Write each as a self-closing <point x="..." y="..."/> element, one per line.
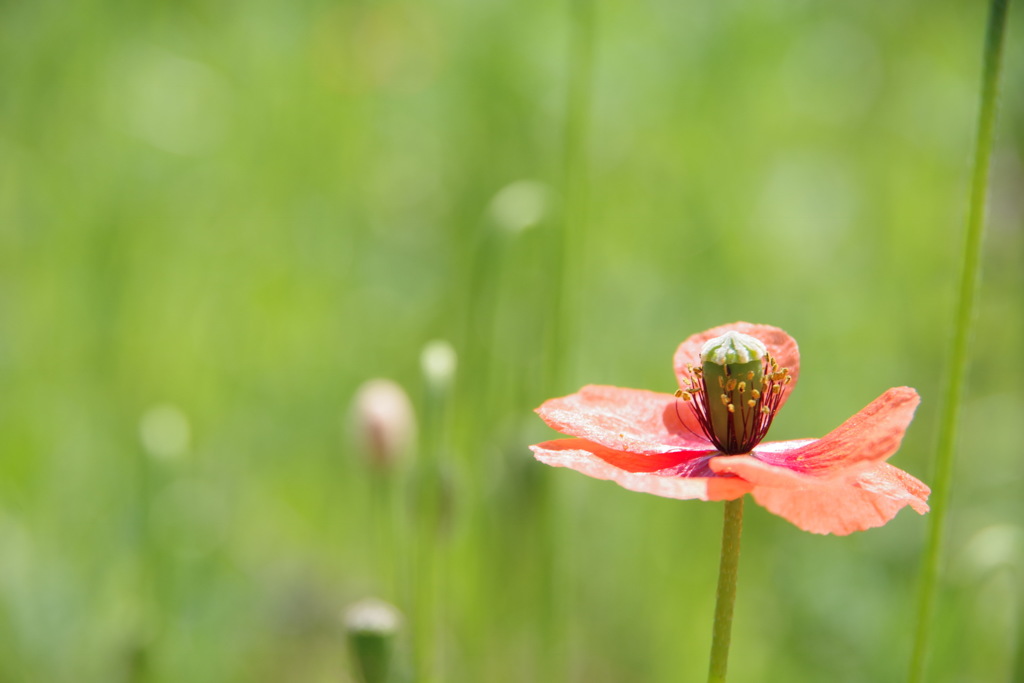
<point x="565" y="249"/>
<point x="961" y="330"/>
<point x="552" y="514"/>
<point x="732" y="529"/>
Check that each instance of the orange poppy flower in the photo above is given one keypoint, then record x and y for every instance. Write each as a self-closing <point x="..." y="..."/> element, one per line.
<point x="704" y="442"/>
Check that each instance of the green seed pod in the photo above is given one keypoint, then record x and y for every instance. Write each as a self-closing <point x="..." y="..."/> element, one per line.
<point x="733" y="367"/>
<point x="371" y="627"/>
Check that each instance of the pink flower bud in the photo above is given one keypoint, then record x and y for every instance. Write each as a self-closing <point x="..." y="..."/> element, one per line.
<point x="383" y="422"/>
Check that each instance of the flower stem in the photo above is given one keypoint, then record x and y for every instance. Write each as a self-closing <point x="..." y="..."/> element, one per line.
<point x="565" y="247"/>
<point x="555" y="591"/>
<point x="732" y="529"/>
<point x="961" y="329"/>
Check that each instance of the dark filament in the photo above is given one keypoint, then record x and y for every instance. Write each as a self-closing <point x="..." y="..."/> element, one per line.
<point x="748" y="423"/>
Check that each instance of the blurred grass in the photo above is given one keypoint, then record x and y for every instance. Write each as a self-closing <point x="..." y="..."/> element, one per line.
<point x="244" y="210"/>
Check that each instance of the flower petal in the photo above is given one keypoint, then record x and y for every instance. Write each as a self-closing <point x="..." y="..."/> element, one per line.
<point x="626" y="419"/>
<point x="780" y="345"/>
<point x="828" y="505"/>
<point x="869" y="437"/>
<point x="674" y="481"/>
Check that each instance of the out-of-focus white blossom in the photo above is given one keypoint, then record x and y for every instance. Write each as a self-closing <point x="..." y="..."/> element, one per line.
<point x="520" y="205"/>
<point x="164" y="431"/>
<point x="439" y="361"/>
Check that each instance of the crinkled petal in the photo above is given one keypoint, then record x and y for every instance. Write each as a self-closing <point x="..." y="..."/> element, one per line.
<point x="631" y="420"/>
<point x="896" y="484"/>
<point x="867" y="438"/>
<point x="828" y="505"/>
<point x="678" y="476"/>
<point x="780" y="345"/>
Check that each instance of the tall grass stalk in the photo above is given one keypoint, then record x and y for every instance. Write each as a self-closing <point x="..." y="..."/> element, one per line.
<point x="151" y="605"/>
<point x="385" y="543"/>
<point x="580" y="59"/>
<point x="962" y="322"/>
<point x="432" y="543"/>
<point x="574" y="183"/>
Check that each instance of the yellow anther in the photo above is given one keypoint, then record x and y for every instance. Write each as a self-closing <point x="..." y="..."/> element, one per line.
<point x="679" y="393"/>
<point x="750" y="376"/>
<point x="755" y="393"/>
<point x="686" y="396"/>
<point x="742" y="387"/>
<point x="776" y="389"/>
<point x="721" y="382"/>
<point x="764" y="410"/>
<point x="732" y="408"/>
<point x="751" y="403"/>
<point x="725" y="400"/>
<point x="730" y="385"/>
<point x="789" y="378"/>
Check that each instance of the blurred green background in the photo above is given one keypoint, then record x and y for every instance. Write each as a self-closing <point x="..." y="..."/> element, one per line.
<point x="218" y="219"/>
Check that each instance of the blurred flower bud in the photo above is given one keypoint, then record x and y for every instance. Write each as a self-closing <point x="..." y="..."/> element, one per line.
<point x="370" y="627"/>
<point x="520" y="205"/>
<point x="989" y="549"/>
<point x="383" y="421"/>
<point x="438" y="361"/>
<point x="164" y="432"/>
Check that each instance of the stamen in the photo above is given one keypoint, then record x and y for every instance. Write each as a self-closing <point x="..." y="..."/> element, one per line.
<point x="759" y="384"/>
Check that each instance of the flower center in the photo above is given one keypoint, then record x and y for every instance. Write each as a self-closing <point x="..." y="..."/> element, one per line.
<point x="736" y="391"/>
